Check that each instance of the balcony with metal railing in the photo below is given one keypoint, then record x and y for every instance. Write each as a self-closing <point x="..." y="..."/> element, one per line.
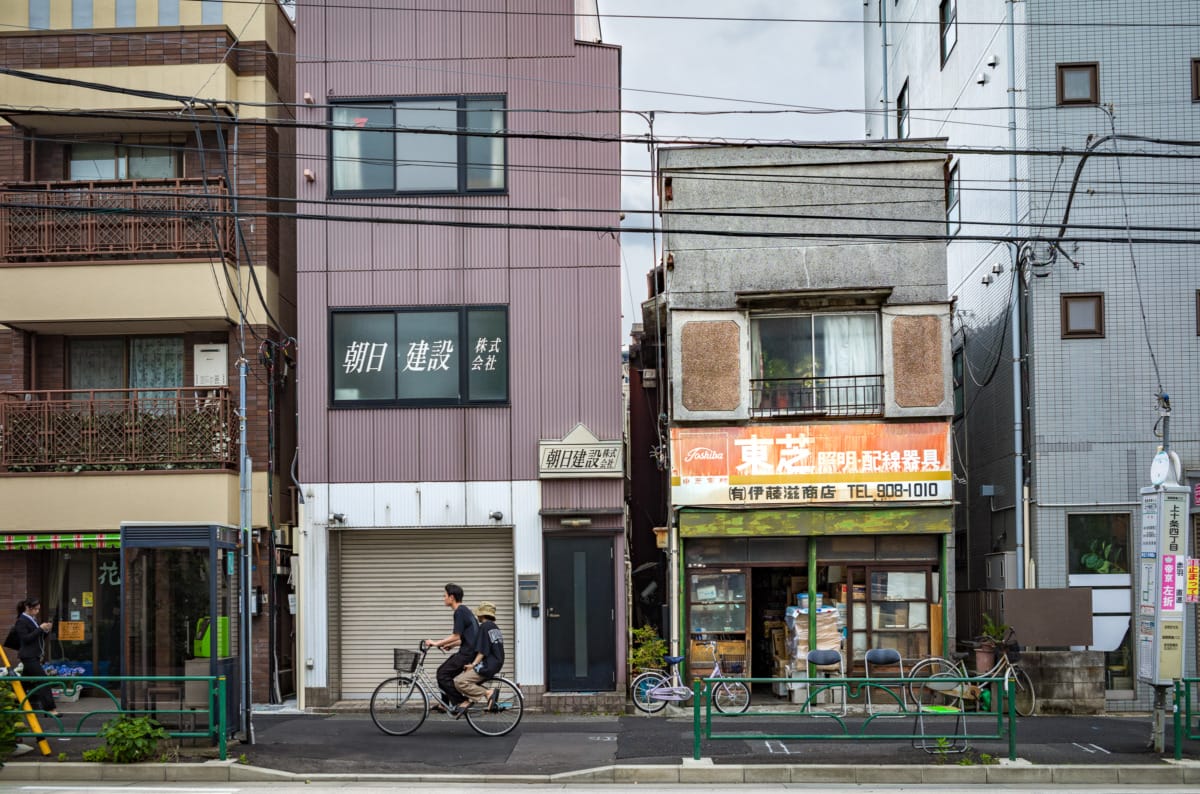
<point x="832" y="396"/>
<point x="115" y="220"/>
<point x="117" y="429"/>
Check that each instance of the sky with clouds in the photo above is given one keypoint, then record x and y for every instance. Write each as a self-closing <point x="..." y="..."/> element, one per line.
<point x="741" y="63"/>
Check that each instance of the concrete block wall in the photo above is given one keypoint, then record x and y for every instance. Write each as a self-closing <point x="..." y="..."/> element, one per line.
<point x="1066" y="682"/>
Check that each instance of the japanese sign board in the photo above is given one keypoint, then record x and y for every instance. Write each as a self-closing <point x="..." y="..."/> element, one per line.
<point x="71" y="630"/>
<point x="811" y="464"/>
<point x="579" y="454"/>
<point x="1191" y="590"/>
<point x="1163" y="575"/>
<point x="441" y="356"/>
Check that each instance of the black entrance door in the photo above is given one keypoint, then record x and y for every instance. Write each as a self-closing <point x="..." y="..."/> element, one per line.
<point x="580" y="618"/>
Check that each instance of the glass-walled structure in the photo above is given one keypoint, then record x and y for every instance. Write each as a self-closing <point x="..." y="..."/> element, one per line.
<point x="180" y="590"/>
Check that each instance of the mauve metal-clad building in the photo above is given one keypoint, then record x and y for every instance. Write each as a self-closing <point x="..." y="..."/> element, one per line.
<point x="459" y="370"/>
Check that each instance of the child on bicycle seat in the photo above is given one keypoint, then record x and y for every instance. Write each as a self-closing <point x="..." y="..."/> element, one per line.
<point x="489" y="658"/>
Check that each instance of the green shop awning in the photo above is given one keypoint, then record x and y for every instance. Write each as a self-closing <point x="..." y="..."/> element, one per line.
<point x="69" y="540"/>
<point x="699" y="523"/>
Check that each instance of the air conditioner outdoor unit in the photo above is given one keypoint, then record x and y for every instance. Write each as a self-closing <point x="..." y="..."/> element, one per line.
<point x="1000" y="570"/>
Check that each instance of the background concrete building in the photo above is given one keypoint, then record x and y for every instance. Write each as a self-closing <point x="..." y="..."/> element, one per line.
<point x="462" y="402"/>
<point x="797" y="341"/>
<point x="1068" y="194"/>
<point x="129" y="135"/>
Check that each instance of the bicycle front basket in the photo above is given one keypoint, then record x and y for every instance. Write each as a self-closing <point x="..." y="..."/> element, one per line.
<point x="733" y="666"/>
<point x="404" y="661"/>
<point x="1013" y="652"/>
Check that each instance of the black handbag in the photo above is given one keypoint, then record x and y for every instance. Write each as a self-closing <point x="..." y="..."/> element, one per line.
<point x="12" y="640"/>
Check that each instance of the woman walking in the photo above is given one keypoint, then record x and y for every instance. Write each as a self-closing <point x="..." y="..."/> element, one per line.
<point x="31" y="636"/>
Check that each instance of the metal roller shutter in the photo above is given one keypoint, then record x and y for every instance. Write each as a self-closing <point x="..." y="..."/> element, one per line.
<point x="391" y="594"/>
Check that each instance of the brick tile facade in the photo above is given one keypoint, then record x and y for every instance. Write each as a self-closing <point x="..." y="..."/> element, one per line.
<point x="255" y="169"/>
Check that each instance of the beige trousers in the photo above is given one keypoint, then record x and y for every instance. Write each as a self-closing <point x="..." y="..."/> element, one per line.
<point x="467" y="683"/>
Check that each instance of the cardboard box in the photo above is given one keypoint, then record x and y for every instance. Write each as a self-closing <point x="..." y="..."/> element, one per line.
<point x="779" y="642"/>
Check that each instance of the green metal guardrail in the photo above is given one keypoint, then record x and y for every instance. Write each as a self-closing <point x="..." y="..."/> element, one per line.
<point x="1187" y="723"/>
<point x="89" y="723"/>
<point x="1004" y="712"/>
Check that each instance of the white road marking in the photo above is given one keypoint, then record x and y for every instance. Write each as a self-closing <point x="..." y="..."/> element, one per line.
<point x="778" y="747"/>
<point x="92" y="788"/>
<point x="1091" y="748"/>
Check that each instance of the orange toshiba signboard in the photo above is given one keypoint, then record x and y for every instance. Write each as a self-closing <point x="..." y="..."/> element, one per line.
<point x="790" y="464"/>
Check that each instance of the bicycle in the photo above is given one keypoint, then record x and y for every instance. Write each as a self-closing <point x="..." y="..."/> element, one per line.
<point x="930" y="693"/>
<point x="399" y="705"/>
<point x="653" y="689"/>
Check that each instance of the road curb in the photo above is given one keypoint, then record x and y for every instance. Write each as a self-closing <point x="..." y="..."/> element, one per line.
<point x="691" y="773"/>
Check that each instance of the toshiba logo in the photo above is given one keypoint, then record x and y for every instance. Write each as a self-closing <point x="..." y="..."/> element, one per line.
<point x="703" y="453"/>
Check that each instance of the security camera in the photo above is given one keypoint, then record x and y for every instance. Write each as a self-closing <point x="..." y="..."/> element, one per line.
<point x="495" y="515"/>
<point x="337" y="518"/>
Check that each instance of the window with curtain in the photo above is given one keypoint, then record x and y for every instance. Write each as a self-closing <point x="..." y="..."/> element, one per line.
<point x="39" y="14"/>
<point x="139" y="362"/>
<point x="427" y="145"/>
<point x="81" y="13"/>
<point x="210" y="12"/>
<point x="168" y="12"/>
<point x="817" y="362"/>
<point x="99" y="161"/>
<point x="126" y="13"/>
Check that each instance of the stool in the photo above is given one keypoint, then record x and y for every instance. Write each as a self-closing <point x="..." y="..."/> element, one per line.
<point x="172" y="694"/>
<point x="829" y="661"/>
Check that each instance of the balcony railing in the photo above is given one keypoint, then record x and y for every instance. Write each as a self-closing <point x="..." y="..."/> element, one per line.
<point x="115" y="429"/>
<point x="139" y="219"/>
<point x="848" y="395"/>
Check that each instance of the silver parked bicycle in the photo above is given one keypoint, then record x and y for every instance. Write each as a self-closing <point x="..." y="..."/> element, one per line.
<point x="653" y="689"/>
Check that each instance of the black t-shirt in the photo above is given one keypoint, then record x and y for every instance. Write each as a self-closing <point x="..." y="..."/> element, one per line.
<point x="466" y="628"/>
<point x="490" y="643"/>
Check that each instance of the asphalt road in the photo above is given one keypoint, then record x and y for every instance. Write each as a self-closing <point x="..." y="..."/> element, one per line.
<point x="350" y="743"/>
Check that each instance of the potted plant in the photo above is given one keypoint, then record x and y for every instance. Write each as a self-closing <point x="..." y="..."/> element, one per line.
<point x="1102" y="557"/>
<point x="991" y="636"/>
<point x="786" y="382"/>
<point x="69" y="692"/>
<point x="646" y="650"/>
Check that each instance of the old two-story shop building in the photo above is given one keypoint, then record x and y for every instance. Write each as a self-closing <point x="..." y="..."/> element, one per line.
<point x="809" y="399"/>
<point x="462" y="403"/>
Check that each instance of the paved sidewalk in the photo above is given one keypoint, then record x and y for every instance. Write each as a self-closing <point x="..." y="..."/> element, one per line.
<point x="290" y="745"/>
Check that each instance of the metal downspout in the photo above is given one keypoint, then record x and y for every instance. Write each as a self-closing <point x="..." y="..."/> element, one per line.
<point x="1015" y="305"/>
<point x="883" y="26"/>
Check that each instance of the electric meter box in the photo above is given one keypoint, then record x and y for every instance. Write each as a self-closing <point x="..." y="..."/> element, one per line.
<point x="210" y="365"/>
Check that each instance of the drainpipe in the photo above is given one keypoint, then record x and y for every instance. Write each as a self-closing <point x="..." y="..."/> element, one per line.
<point x="1015" y="306"/>
<point x="883" y="28"/>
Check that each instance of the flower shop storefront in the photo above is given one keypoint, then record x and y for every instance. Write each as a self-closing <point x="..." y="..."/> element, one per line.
<point x="78" y="578"/>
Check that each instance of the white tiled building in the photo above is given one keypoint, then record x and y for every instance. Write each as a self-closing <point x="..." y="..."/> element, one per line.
<point x="1103" y="325"/>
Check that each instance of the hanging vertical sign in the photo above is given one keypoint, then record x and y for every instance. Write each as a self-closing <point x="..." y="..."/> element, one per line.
<point x="1191" y="589"/>
<point x="1164" y="577"/>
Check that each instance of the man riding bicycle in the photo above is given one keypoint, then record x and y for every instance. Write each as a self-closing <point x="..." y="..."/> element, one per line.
<point x="462" y="637"/>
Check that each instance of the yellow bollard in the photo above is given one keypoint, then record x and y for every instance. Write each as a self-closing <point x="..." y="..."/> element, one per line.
<point x="30" y="715"/>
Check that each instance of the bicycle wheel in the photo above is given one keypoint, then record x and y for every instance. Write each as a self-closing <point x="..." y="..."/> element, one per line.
<point x="506" y="705"/>
<point x="1026" y="698"/>
<point x="732" y="697"/>
<point x="399" y="705"/>
<point x="641" y="688"/>
<point x="923" y="688"/>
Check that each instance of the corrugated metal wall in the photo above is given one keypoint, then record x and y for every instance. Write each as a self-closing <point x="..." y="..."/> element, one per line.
<point x="562" y="287"/>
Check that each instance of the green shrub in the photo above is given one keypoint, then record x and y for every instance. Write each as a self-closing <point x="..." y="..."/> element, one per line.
<point x="646" y="649"/>
<point x="128" y="740"/>
<point x="10" y="724"/>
